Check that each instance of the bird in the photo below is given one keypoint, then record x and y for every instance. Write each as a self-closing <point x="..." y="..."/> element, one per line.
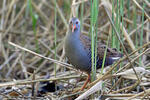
<point x="78" y="50"/>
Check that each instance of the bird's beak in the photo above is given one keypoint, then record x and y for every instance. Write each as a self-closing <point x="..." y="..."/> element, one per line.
<point x="73" y="27"/>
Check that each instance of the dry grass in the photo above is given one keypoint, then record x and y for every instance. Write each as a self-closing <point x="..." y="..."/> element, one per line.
<point x="26" y="56"/>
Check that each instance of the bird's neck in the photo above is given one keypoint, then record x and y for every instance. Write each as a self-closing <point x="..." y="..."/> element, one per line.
<point x="76" y="33"/>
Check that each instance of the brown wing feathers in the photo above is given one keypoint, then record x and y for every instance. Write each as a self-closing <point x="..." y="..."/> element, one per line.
<point x="100" y="48"/>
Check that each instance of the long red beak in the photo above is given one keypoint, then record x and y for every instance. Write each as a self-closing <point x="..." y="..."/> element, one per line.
<point x="73" y="28"/>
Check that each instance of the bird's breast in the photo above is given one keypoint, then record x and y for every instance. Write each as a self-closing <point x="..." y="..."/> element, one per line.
<point x="77" y="54"/>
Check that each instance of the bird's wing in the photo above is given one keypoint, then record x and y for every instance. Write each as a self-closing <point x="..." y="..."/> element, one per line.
<point x="86" y="41"/>
<point x="110" y="52"/>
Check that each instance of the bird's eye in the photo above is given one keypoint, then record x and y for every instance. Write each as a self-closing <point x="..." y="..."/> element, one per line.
<point x="70" y="22"/>
<point x="76" y="22"/>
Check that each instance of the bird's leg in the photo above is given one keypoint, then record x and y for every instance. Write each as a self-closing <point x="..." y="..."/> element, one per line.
<point x="87" y="80"/>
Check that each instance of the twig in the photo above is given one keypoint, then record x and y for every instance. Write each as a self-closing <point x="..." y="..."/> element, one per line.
<point x="133" y="60"/>
<point x="13" y="65"/>
<point x="53" y="60"/>
<point x="124" y="49"/>
<point x="23" y="82"/>
<point x="16" y="18"/>
<point x="8" y="60"/>
<point x="61" y="15"/>
<point x="139" y="94"/>
<point x="77" y="3"/>
<point x="141" y="9"/>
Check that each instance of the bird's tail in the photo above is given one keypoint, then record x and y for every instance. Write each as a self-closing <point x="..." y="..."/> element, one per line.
<point x="110" y="60"/>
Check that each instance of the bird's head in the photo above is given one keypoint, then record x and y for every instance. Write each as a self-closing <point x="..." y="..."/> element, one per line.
<point x="74" y="24"/>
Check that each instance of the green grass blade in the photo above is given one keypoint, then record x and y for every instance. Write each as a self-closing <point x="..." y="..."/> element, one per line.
<point x="141" y="35"/>
<point x="55" y="36"/>
<point x="102" y="68"/>
<point x="94" y="15"/>
<point x="113" y="33"/>
<point x="82" y="10"/>
<point x="34" y="21"/>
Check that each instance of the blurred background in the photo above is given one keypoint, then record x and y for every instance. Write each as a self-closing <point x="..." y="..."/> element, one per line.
<point x="41" y="26"/>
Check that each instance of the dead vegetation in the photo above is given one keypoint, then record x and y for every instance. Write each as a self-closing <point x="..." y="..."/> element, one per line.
<point x="27" y="52"/>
